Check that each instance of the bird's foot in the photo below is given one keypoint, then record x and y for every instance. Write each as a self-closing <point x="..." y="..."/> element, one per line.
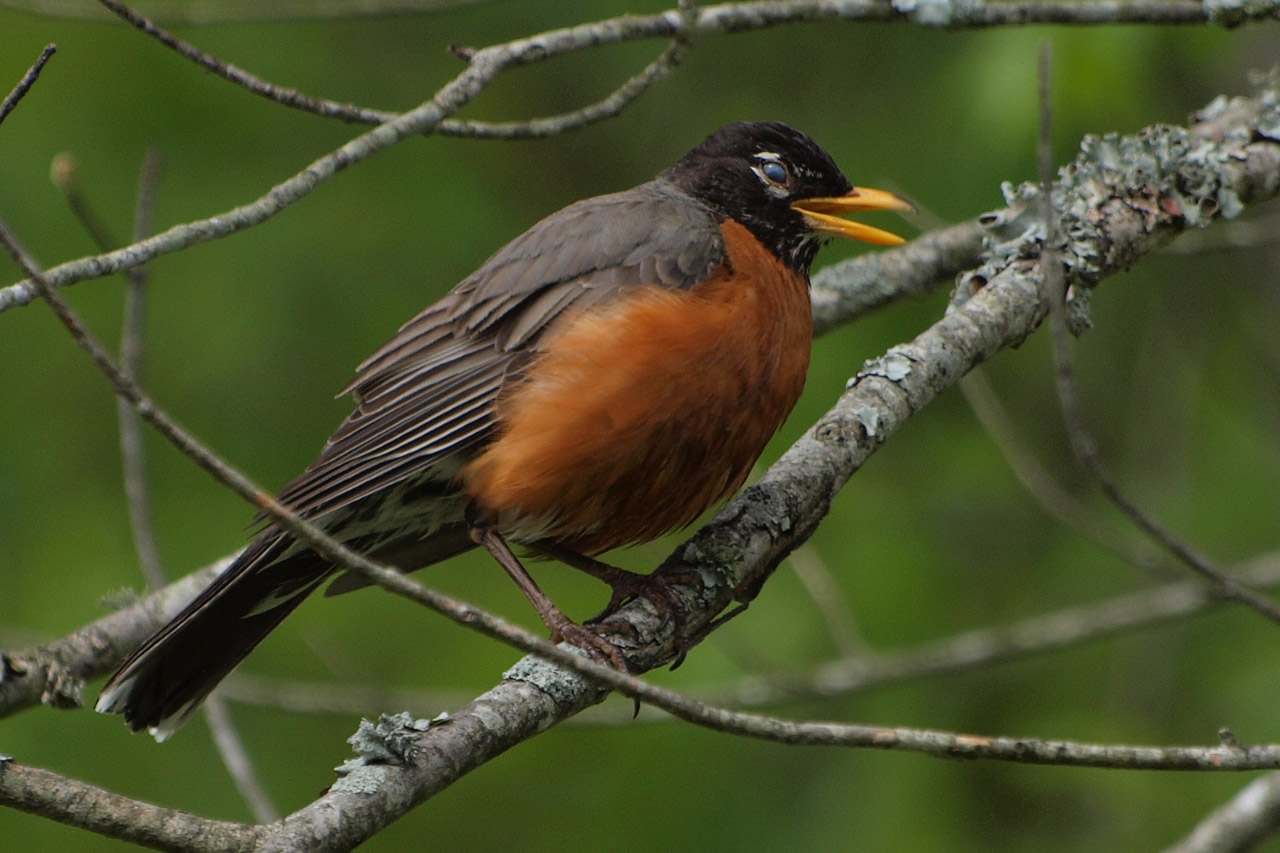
<point x="658" y="589"/>
<point x="566" y="630"/>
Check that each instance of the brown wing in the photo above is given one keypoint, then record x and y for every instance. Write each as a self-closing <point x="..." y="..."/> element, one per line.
<point x="430" y="391"/>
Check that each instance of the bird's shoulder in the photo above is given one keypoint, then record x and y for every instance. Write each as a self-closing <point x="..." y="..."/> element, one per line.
<point x="584" y="254"/>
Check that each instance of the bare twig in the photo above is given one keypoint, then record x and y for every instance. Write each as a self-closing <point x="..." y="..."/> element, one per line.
<point x="745" y="15"/>
<point x="28" y="80"/>
<point x="235" y="757"/>
<point x="847" y="290"/>
<point x="485" y="65"/>
<point x="828" y="597"/>
<point x="132" y="450"/>
<point x="988" y="646"/>
<point x="1081" y="440"/>
<point x="952" y="745"/>
<point x="607" y="108"/>
<point x="346" y="699"/>
<point x="64" y="172"/>
<point x="1026" y="12"/>
<point x="239" y="11"/>
<point x="1045" y="489"/>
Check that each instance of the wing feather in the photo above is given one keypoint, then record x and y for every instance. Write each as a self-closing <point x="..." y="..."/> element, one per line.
<point x="431" y="391"/>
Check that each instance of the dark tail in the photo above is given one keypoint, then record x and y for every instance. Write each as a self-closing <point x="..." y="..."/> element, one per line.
<point x="170" y="674"/>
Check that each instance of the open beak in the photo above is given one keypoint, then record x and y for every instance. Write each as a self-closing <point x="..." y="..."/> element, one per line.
<point x="819" y="214"/>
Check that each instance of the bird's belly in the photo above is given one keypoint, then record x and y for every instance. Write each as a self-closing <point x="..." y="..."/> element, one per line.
<point x="640" y="415"/>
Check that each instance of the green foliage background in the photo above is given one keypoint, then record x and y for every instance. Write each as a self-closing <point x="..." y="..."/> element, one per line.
<point x="250" y="336"/>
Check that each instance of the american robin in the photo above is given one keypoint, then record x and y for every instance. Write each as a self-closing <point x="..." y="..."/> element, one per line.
<point x="603" y="379"/>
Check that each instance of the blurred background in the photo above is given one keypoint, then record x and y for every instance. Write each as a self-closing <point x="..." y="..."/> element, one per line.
<point x="249" y="337"/>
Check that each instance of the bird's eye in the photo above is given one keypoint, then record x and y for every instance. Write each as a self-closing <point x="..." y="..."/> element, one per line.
<point x="774" y="171"/>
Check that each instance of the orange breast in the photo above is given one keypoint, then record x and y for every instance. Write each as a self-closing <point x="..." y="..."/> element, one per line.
<point x="641" y="414"/>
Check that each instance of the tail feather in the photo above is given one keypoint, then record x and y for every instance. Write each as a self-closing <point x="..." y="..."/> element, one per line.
<point x="169" y="675"/>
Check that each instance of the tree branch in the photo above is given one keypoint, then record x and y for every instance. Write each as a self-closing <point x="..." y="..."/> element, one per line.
<point x="844" y="676"/>
<point x="28" y="80"/>
<point x="609" y="107"/>
<point x="54" y="674"/>
<point x="70" y="801"/>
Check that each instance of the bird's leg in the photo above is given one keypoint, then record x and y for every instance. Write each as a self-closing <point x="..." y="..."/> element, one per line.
<point x="625" y="586"/>
<point x="562" y="627"/>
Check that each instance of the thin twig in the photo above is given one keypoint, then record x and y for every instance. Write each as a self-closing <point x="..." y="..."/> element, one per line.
<point x="64" y="172"/>
<point x="208" y="12"/>
<point x="609" y="107"/>
<point x="485" y="65"/>
<point x="1045" y="489"/>
<point x="132" y="449"/>
<point x="985" y="647"/>
<point x="1081" y="439"/>
<point x="827" y="596"/>
<point x="28" y="80"/>
<point x="235" y="757"/>
<point x="1027" y="12"/>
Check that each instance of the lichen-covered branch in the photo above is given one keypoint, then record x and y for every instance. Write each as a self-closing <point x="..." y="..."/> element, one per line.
<point x="41" y="792"/>
<point x="54" y="674"/>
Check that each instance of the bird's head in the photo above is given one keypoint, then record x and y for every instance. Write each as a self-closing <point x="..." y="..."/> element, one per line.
<point x="782" y="186"/>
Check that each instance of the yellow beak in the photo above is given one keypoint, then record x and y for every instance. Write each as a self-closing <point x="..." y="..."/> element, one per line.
<point x="819" y="214"/>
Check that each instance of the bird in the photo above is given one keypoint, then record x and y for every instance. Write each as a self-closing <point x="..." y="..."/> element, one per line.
<point x="601" y="380"/>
